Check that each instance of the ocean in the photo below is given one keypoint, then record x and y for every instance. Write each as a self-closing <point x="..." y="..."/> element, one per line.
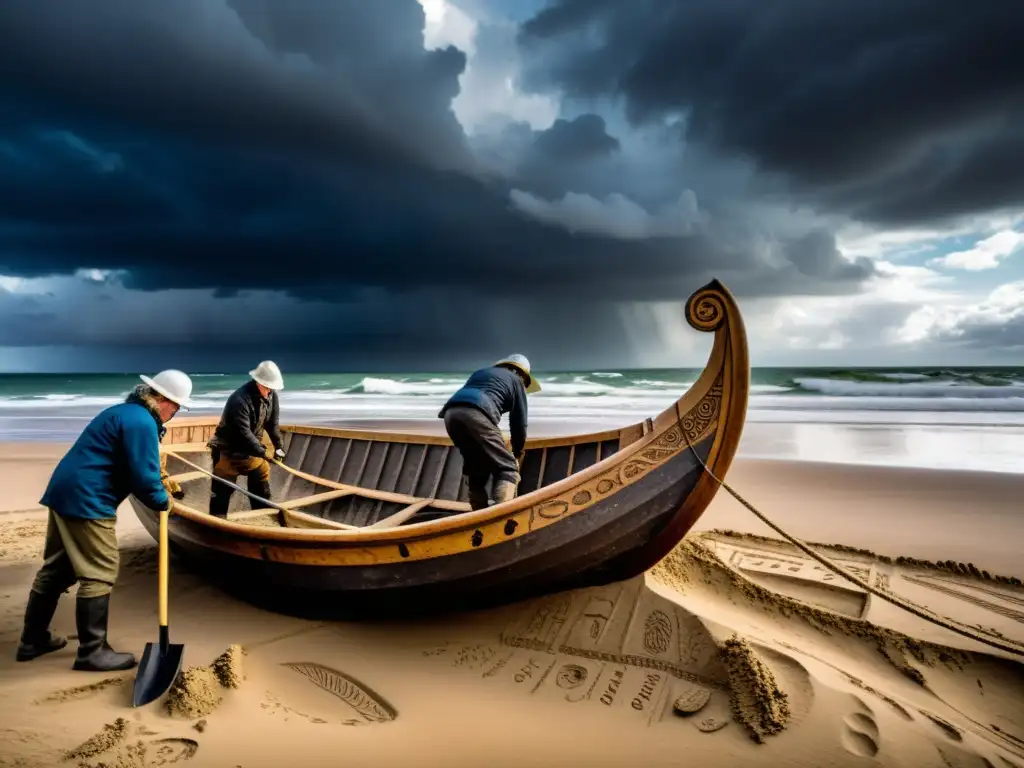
<point x="946" y="418"/>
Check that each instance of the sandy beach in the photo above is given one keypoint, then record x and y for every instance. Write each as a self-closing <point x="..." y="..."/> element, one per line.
<point x="795" y="667"/>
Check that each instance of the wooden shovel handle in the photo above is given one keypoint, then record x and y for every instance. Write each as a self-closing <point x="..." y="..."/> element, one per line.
<point x="164" y="566"/>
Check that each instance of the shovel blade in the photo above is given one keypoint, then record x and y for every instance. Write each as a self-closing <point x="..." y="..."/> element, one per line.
<point x="157" y="672"/>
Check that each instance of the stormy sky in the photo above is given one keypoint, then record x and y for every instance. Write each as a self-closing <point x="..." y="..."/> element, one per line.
<point x="431" y="184"/>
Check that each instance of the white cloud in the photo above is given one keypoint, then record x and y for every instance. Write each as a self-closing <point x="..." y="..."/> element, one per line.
<point x="860" y="240"/>
<point x="986" y="254"/>
<point x="996" y="320"/>
<point x="447" y="24"/>
<point x="489" y="94"/>
<point x="615" y="216"/>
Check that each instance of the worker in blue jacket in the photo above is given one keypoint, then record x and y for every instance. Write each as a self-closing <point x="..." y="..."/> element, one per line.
<point x="471" y="417"/>
<point x="117" y="454"/>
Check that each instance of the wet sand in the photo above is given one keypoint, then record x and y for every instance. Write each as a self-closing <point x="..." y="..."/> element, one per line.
<point x="735" y="650"/>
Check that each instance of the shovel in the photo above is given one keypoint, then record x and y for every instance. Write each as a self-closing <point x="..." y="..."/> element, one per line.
<point x="161" y="661"/>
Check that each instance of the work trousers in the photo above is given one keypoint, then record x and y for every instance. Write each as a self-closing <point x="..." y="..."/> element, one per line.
<point x="230" y="466"/>
<point x="484" y="452"/>
<point x="79" y="550"/>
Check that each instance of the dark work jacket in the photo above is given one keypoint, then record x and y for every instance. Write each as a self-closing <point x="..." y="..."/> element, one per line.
<point x="118" y="453"/>
<point x="246" y="415"/>
<point x="496" y="390"/>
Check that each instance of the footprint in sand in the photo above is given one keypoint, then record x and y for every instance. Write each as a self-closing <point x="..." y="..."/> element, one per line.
<point x="948" y="730"/>
<point x="860" y="734"/>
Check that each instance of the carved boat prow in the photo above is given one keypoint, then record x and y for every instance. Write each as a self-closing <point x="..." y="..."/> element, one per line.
<point x="592" y="508"/>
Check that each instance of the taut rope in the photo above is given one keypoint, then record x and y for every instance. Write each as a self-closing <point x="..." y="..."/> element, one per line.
<point x="1010" y="646"/>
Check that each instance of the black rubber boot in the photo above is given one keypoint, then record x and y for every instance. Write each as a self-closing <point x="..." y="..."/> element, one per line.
<point x="477" y="496"/>
<point x="261" y="489"/>
<point x="94" y="655"/>
<point x="220" y="498"/>
<point x="36" y="639"/>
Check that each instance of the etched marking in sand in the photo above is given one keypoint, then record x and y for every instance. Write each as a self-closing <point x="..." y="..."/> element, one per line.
<point x="571" y="676"/>
<point x="117" y="744"/>
<point x="961" y="594"/>
<point x="167" y="751"/>
<point x="785" y="561"/>
<point x="620" y="646"/>
<point x="83" y="691"/>
<point x="275" y="706"/>
<point x="657" y="632"/>
<point x="860" y="731"/>
<point x="372" y="707"/>
<point x="602" y="624"/>
<point x="1001" y="594"/>
<point x="693" y="699"/>
<point x="715" y="716"/>
<point x="948" y="730"/>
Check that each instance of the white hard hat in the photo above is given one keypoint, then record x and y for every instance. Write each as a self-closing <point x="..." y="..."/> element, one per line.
<point x="520" y="362"/>
<point x="175" y="385"/>
<point x="268" y="374"/>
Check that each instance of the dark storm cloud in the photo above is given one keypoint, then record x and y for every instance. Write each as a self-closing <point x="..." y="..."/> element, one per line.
<point x="892" y="111"/>
<point x="308" y="148"/>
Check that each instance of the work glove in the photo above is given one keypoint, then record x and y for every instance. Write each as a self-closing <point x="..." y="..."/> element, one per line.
<point x="279" y="454"/>
<point x="173" y="488"/>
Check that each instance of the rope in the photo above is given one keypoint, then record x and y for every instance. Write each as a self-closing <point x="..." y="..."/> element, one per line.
<point x="1010" y="646"/>
<point x="253" y="496"/>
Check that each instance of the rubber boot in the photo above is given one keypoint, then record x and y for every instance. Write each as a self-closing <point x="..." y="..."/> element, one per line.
<point x="261" y="489"/>
<point x="477" y="496"/>
<point x="36" y="639"/>
<point x="504" y="490"/>
<point x="220" y="498"/>
<point x="94" y="654"/>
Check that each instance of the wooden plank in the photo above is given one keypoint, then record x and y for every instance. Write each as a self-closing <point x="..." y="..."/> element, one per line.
<point x="302" y="520"/>
<point x="250" y="514"/>
<point x="455" y="506"/>
<point x="543" y="464"/>
<point x="400" y="517"/>
<point x="440" y="472"/>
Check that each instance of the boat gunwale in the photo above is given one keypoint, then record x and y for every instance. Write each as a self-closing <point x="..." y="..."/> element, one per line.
<point x="430" y="528"/>
<point x="728" y="341"/>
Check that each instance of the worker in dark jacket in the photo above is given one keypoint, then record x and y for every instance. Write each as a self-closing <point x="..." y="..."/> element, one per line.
<point x="237" y="446"/>
<point x="471" y="417"/>
<point x="117" y="454"/>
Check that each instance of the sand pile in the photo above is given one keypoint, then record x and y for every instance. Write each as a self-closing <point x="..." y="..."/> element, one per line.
<point x="228" y="667"/>
<point x="757" y="701"/>
<point x="111" y="736"/>
<point x="197" y="691"/>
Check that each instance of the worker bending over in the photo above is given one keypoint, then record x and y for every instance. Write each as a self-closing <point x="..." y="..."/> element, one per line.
<point x="471" y="417"/>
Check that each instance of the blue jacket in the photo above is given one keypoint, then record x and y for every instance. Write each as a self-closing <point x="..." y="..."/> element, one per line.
<point x="496" y="390"/>
<point x="118" y="453"/>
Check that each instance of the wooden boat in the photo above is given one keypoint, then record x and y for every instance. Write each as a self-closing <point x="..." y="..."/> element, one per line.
<point x="592" y="508"/>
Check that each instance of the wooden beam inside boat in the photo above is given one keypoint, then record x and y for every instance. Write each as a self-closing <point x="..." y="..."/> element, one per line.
<point x="401" y="516"/>
<point x="295" y="519"/>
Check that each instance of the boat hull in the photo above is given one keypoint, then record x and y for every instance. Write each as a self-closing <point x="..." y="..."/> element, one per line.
<point x="578" y="551"/>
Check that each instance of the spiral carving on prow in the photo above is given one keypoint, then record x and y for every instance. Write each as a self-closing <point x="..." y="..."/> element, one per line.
<point x="705" y="309"/>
